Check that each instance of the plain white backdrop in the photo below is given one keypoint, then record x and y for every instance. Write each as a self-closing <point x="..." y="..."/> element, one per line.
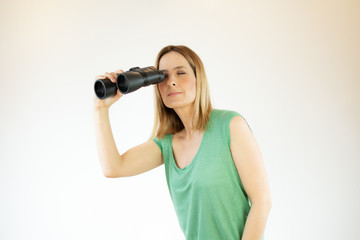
<point x="291" y="68"/>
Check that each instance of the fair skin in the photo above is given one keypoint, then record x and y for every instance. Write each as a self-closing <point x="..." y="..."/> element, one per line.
<point x="134" y="161"/>
<point x="178" y="91"/>
<point x="250" y="166"/>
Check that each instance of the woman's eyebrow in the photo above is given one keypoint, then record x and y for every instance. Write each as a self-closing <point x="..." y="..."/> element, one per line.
<point x="178" y="67"/>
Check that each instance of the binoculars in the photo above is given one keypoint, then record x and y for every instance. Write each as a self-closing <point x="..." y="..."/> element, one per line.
<point x="128" y="82"/>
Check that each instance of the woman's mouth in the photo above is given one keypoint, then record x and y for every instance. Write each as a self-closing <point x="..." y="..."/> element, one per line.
<point x="173" y="94"/>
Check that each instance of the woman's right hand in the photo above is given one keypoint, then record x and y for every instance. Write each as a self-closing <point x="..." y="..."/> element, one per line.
<point x="107" y="102"/>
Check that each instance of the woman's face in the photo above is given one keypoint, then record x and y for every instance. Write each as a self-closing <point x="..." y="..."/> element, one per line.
<point x="179" y="86"/>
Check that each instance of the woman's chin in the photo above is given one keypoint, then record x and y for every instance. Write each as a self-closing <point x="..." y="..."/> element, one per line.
<point x="177" y="105"/>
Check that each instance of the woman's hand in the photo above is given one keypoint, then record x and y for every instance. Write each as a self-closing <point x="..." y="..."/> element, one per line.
<point x="107" y="102"/>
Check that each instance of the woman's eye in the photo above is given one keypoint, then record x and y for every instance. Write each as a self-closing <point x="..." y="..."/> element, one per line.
<point x="180" y="73"/>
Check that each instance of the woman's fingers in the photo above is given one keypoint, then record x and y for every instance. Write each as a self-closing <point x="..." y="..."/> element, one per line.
<point x="118" y="71"/>
<point x="110" y="75"/>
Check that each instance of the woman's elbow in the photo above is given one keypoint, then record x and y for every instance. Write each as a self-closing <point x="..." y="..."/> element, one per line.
<point x="269" y="204"/>
<point x="265" y="203"/>
<point x="111" y="174"/>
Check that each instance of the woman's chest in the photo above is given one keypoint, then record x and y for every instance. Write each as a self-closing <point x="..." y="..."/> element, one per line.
<point x="212" y="170"/>
<point x="184" y="151"/>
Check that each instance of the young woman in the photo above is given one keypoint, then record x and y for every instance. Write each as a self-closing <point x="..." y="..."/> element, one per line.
<point x="214" y="168"/>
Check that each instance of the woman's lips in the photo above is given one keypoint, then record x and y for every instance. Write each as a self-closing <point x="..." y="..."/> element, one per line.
<point x="173" y="94"/>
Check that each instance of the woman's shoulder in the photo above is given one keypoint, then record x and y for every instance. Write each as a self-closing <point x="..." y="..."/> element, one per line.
<point x="223" y="115"/>
<point x="163" y="140"/>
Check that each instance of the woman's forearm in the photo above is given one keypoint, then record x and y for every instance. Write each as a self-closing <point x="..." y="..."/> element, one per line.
<point x="108" y="153"/>
<point x="256" y="222"/>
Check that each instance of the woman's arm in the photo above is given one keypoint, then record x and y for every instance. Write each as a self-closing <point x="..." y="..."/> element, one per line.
<point x="136" y="160"/>
<point x="250" y="166"/>
<point x="139" y="159"/>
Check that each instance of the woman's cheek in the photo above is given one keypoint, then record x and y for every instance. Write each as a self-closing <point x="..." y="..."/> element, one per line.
<point x="161" y="88"/>
<point x="192" y="86"/>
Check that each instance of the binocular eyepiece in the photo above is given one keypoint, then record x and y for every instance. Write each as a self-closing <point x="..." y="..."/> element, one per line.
<point x="128" y="82"/>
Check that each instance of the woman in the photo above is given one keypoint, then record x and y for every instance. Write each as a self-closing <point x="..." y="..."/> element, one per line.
<point x="214" y="168"/>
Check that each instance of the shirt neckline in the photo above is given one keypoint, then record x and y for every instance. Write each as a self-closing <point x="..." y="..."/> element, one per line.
<point x="198" y="151"/>
<point x="195" y="157"/>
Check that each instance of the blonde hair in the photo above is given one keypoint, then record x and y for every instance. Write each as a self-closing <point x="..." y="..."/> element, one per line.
<point x="166" y="121"/>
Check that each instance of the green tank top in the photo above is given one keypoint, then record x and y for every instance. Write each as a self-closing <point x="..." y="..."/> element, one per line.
<point x="208" y="196"/>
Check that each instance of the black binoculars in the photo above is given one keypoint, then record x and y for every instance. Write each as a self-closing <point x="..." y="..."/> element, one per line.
<point x="128" y="82"/>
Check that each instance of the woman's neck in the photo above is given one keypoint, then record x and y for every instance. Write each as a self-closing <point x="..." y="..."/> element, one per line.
<point x="186" y="114"/>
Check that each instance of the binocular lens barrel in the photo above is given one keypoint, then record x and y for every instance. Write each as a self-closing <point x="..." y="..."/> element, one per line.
<point x="104" y="88"/>
<point x="128" y="82"/>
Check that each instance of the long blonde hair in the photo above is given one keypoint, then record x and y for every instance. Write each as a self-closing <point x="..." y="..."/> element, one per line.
<point x="166" y="121"/>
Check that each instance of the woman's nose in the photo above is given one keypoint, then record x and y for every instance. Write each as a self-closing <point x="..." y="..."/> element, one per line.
<point x="171" y="81"/>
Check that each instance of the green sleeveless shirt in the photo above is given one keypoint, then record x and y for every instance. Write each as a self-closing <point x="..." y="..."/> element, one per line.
<point x="208" y="196"/>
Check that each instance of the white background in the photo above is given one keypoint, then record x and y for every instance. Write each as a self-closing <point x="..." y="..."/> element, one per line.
<point x="291" y="68"/>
